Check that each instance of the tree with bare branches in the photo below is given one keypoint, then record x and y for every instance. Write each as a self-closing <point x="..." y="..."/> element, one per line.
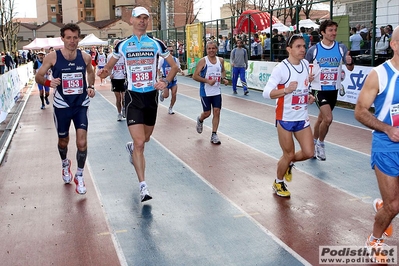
<point x="8" y="29"/>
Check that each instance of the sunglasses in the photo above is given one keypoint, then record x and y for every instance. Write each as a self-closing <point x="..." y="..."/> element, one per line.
<point x="292" y="38"/>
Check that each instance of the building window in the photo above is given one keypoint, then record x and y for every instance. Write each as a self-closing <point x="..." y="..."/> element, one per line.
<point x="53" y="19"/>
<point x="81" y="14"/>
<point x="53" y="9"/>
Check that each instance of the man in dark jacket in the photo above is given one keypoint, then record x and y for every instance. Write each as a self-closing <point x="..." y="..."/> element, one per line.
<point x="9" y="61"/>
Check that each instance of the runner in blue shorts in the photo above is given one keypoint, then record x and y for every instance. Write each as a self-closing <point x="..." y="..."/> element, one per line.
<point x="71" y="70"/>
<point x="289" y="84"/>
<point x="44" y="91"/>
<point x="163" y="70"/>
<point x="381" y="89"/>
<point x="210" y="73"/>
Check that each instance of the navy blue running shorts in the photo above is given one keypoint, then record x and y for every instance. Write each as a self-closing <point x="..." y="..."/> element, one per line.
<point x="64" y="116"/>
<point x="211" y="101"/>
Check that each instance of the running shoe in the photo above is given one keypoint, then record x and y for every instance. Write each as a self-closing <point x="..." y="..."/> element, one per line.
<point x="234" y="92"/>
<point x="199" y="125"/>
<point x="288" y="173"/>
<point x="66" y="172"/>
<point x="374" y="248"/>
<point x="80" y="184"/>
<point x="119" y="117"/>
<point x="320" y="152"/>
<point x="377" y="204"/>
<point x="161" y="98"/>
<point x="171" y="111"/>
<point x="281" y="189"/>
<point x="315" y="152"/>
<point x="129" y="148"/>
<point x="123" y="112"/>
<point x="43" y="107"/>
<point x="47" y="102"/>
<point x="215" y="139"/>
<point x="144" y="193"/>
<point x="246" y="92"/>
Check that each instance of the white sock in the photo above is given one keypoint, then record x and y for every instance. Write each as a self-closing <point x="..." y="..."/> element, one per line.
<point x="141" y="184"/>
<point x="279" y="180"/>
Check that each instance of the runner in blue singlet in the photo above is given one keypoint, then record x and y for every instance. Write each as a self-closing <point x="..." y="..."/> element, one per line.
<point x="141" y="53"/>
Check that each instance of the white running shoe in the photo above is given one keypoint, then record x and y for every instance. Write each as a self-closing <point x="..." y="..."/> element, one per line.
<point x="215" y="139"/>
<point x="144" y="193"/>
<point x="171" y="111"/>
<point x="66" y="172"/>
<point x="129" y="148"/>
<point x="161" y="98"/>
<point x="320" y="152"/>
<point x="80" y="184"/>
<point x="119" y="117"/>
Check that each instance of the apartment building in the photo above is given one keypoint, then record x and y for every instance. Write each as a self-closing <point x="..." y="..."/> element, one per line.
<point x="178" y="12"/>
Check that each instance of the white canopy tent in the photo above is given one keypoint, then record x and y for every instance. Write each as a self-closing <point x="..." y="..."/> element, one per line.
<point x="91" y="39"/>
<point x="308" y="23"/>
<point x="280" y="27"/>
<point x="45" y="43"/>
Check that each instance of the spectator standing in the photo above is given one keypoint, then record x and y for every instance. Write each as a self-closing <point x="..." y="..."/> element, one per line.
<point x="9" y="61"/>
<point x="356" y="42"/>
<point x="381" y="48"/>
<point x="305" y="37"/>
<point x="266" y="47"/>
<point x="2" y="63"/>
<point x="239" y="64"/>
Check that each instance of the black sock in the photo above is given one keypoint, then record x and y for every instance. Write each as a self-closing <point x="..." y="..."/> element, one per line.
<point x="214" y="133"/>
<point x="63" y="152"/>
<point x="81" y="158"/>
<point x="42" y="99"/>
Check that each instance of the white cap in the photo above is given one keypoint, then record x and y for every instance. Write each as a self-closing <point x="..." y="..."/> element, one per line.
<point x="41" y="52"/>
<point x="137" y="11"/>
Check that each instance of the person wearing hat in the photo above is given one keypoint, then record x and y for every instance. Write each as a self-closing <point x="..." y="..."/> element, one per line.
<point x="44" y="91"/>
<point x="140" y="53"/>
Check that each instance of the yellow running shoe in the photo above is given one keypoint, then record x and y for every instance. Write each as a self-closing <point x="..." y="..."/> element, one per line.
<point x="281" y="189"/>
<point x="288" y="173"/>
<point x="377" y="204"/>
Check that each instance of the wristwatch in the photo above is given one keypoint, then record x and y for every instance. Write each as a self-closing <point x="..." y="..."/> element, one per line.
<point x="91" y="87"/>
<point x="166" y="81"/>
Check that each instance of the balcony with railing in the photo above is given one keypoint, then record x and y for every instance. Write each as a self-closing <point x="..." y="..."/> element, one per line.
<point x="90" y="18"/>
<point x="89" y="5"/>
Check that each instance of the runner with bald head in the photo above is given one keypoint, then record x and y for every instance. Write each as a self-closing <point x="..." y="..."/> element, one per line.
<point x="381" y="88"/>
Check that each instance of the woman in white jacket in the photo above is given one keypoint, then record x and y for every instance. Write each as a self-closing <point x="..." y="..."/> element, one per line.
<point x="381" y="47"/>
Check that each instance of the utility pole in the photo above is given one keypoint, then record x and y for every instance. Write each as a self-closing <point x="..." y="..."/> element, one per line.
<point x="163" y="20"/>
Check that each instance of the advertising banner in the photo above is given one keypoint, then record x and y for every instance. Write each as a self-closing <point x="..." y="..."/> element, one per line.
<point x="195" y="46"/>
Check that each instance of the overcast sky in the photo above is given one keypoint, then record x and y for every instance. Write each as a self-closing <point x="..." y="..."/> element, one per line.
<point x="25" y="8"/>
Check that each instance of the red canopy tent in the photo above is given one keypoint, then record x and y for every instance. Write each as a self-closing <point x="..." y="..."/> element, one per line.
<point x="254" y="19"/>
